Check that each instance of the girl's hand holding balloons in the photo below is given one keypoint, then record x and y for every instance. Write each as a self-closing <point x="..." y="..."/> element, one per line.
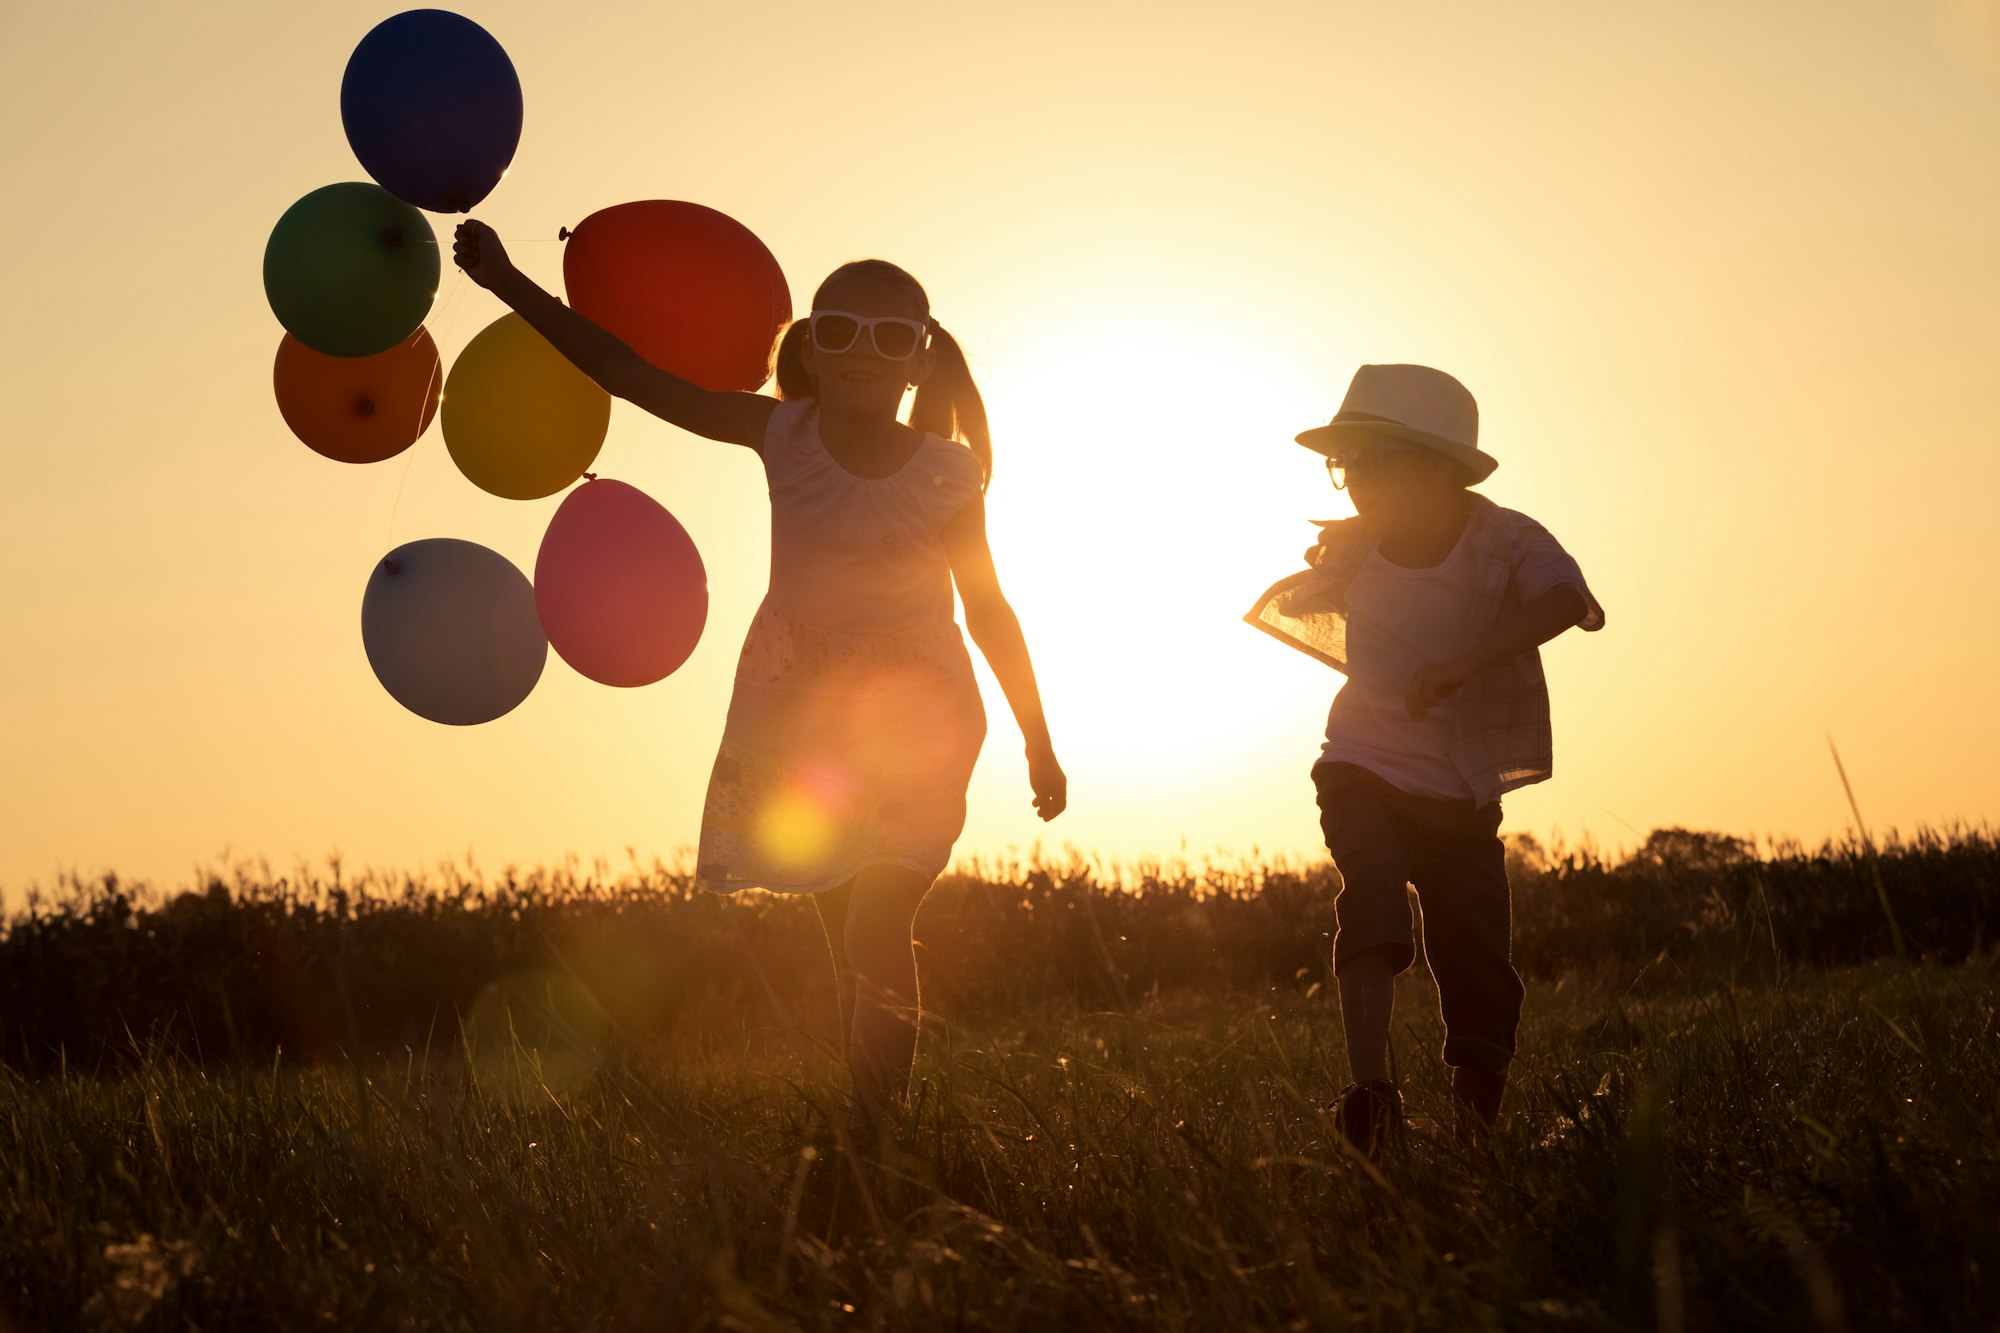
<point x="476" y="248"/>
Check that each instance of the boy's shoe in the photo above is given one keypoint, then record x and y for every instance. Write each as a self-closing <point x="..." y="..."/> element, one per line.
<point x="1369" y="1114"/>
<point x="1476" y="1095"/>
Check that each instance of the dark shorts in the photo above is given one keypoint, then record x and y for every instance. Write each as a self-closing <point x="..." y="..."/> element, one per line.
<point x="1383" y="839"/>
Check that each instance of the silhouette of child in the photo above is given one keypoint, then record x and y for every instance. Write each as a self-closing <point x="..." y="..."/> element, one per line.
<point x="855" y="719"/>
<point x="1432" y="601"/>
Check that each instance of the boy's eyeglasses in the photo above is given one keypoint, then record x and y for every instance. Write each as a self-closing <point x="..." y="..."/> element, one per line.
<point x="1364" y="462"/>
<point x="895" y="339"/>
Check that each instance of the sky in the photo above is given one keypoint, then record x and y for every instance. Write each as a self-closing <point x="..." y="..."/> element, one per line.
<point x="1722" y="276"/>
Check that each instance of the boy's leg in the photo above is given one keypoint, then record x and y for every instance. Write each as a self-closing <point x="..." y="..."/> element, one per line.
<point x="1373" y="938"/>
<point x="1367" y="992"/>
<point x="1480" y="1090"/>
<point x="1461" y="882"/>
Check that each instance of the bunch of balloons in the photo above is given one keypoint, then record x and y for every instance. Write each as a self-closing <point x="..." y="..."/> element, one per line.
<point x="454" y="631"/>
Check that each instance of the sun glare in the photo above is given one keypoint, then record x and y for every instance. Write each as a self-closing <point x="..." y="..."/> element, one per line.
<point x="1142" y="500"/>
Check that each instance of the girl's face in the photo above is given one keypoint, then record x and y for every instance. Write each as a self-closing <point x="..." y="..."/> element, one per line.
<point x="860" y="380"/>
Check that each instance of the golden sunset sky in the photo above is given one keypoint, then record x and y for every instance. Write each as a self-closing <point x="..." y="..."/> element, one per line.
<point x="1725" y="278"/>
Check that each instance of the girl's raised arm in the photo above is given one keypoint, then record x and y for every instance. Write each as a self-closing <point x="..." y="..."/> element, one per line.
<point x="735" y="418"/>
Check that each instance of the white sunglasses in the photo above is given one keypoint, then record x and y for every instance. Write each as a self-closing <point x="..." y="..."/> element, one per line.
<point x="894" y="339"/>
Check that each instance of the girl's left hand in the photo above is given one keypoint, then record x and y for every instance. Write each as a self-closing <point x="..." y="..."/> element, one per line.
<point x="1051" y="786"/>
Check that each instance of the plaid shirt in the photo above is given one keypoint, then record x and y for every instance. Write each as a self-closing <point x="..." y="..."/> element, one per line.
<point x="1501" y="739"/>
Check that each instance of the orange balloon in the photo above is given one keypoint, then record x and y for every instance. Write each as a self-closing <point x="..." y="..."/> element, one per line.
<point x="359" y="409"/>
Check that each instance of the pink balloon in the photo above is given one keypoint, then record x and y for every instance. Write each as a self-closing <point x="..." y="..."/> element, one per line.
<point x="619" y="585"/>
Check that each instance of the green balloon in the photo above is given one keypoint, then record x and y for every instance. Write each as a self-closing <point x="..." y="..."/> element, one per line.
<point x="351" y="270"/>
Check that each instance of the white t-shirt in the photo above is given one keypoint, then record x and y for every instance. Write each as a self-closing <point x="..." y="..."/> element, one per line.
<point x="1397" y="621"/>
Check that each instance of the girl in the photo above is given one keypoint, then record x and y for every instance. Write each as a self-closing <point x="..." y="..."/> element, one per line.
<point x="855" y="719"/>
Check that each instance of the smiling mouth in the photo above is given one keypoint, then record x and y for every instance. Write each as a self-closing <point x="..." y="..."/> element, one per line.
<point x="859" y="377"/>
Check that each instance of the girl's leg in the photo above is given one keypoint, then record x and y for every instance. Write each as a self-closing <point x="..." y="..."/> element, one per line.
<point x="833" y="906"/>
<point x="882" y="967"/>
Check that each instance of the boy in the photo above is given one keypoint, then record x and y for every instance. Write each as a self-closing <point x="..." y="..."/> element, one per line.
<point x="1432" y="602"/>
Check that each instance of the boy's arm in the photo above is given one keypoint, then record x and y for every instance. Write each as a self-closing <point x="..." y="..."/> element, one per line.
<point x="1337" y="535"/>
<point x="1518" y="629"/>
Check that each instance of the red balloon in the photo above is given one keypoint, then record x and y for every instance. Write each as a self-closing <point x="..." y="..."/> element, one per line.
<point x="692" y="290"/>
<point x="619" y="585"/>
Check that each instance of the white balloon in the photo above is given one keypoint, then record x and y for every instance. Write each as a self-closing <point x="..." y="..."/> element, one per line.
<point x="451" y="630"/>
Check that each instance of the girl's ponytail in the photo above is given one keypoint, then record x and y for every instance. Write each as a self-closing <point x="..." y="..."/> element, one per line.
<point x="948" y="402"/>
<point x="793" y="382"/>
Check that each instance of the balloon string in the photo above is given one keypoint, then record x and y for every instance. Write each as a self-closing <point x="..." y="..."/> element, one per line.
<point x="398" y="502"/>
<point x="518" y="240"/>
<point x="449" y="308"/>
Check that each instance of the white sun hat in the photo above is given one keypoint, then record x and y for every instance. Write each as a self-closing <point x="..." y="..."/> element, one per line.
<point x="1413" y="403"/>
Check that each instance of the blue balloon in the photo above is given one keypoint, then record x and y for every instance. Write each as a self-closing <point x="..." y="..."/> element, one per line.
<point x="432" y="107"/>
<point x="451" y="631"/>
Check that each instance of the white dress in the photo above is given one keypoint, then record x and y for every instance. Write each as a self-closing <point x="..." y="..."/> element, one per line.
<point x="855" y="720"/>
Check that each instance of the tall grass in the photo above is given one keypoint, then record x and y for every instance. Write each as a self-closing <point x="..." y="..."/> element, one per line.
<point x="567" y="1101"/>
<point x="248" y="963"/>
<point x="1680" y="1153"/>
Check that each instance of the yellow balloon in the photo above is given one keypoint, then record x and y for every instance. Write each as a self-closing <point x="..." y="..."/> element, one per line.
<point x="519" y="419"/>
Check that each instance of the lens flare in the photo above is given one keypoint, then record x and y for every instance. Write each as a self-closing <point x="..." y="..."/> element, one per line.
<point x="797" y="827"/>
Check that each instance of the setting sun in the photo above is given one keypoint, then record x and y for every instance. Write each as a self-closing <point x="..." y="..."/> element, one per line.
<point x="1160" y="276"/>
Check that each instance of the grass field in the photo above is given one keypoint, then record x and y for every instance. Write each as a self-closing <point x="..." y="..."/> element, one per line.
<point x="1757" y="1117"/>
